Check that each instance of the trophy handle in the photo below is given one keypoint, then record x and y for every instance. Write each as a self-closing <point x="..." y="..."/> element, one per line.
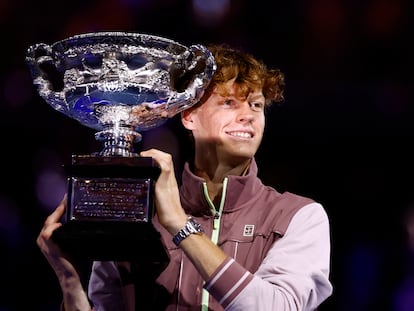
<point x="191" y="79"/>
<point x="47" y="77"/>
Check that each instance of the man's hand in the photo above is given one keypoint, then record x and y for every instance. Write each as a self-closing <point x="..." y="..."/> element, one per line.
<point x="167" y="198"/>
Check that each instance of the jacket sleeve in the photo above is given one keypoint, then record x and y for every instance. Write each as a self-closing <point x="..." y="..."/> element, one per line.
<point x="293" y="276"/>
<point x="104" y="289"/>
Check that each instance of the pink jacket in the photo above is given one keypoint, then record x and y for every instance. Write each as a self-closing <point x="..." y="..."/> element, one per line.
<point x="278" y="248"/>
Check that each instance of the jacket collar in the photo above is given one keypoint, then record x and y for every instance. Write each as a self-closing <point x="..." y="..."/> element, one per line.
<point x="241" y="190"/>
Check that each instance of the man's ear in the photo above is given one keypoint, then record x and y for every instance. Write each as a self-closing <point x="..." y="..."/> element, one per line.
<point x="187" y="119"/>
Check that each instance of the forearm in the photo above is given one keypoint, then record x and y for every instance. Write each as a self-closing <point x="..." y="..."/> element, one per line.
<point x="203" y="253"/>
<point x="74" y="296"/>
<point x="75" y="299"/>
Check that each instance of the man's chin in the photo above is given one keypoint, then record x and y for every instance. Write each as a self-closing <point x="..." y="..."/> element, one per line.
<point x="241" y="156"/>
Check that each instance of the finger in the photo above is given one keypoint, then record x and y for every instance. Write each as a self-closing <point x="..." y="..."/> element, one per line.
<point x="47" y="232"/>
<point x="153" y="153"/>
<point x="57" y="213"/>
<point x="163" y="159"/>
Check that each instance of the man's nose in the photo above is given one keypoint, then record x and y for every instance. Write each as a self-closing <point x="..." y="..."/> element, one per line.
<point x="245" y="112"/>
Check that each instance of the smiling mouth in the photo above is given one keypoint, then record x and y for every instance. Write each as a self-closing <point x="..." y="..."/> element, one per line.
<point x="241" y="134"/>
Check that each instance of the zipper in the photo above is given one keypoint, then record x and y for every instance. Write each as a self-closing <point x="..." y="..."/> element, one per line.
<point x="215" y="231"/>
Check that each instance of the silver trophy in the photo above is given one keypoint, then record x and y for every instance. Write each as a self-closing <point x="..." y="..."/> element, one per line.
<point x="119" y="84"/>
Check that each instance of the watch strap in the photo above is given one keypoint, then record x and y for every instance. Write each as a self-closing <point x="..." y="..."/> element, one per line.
<point x="191" y="227"/>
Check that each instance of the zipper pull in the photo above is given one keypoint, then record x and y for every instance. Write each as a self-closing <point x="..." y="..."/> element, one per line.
<point x="216" y="220"/>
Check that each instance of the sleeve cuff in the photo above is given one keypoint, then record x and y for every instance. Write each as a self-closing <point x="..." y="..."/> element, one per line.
<point x="228" y="281"/>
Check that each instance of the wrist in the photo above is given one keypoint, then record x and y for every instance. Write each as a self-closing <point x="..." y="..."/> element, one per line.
<point x="175" y="225"/>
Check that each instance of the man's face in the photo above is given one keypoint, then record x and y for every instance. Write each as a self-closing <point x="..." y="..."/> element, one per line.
<point x="229" y="125"/>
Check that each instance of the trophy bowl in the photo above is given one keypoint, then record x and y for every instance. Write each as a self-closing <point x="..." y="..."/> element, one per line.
<point x="119" y="84"/>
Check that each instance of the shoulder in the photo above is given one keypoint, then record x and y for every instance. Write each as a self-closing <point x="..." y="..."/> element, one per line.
<point x="293" y="198"/>
<point x="312" y="210"/>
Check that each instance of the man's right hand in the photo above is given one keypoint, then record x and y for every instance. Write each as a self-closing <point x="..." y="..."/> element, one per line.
<point x="74" y="296"/>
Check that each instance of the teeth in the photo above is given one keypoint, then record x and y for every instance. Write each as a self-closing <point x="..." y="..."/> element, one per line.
<point x="241" y="134"/>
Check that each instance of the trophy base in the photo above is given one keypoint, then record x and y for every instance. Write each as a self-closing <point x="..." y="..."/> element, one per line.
<point x="119" y="241"/>
<point x="110" y="210"/>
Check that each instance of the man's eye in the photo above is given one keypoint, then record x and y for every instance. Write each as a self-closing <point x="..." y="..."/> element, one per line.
<point x="257" y="106"/>
<point x="228" y="102"/>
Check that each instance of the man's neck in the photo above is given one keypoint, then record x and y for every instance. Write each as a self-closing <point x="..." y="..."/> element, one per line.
<point x="216" y="172"/>
<point x="214" y="175"/>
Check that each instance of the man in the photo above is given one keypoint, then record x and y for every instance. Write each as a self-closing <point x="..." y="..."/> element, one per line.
<point x="234" y="243"/>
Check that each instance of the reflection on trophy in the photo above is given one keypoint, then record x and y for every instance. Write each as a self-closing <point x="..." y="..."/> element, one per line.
<point x="119" y="84"/>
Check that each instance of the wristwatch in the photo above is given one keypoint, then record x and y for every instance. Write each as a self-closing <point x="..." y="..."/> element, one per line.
<point x="191" y="227"/>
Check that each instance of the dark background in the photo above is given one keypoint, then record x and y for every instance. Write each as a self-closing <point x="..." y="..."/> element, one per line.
<point x="343" y="136"/>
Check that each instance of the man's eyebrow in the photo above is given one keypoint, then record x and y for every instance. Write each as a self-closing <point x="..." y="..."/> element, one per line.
<point x="256" y="97"/>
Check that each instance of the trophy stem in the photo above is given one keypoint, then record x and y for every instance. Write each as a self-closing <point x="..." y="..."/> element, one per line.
<point x="118" y="141"/>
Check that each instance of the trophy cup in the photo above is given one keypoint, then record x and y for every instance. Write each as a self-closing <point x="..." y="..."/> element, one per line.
<point x="119" y="84"/>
